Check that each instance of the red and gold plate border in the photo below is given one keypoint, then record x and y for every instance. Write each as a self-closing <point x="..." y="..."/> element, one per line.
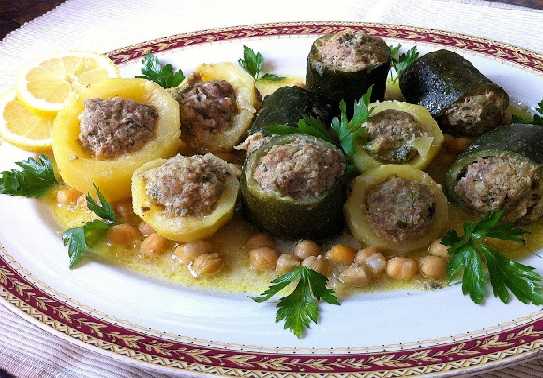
<point x="484" y="350"/>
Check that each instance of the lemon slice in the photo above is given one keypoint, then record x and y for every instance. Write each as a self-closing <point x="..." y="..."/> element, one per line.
<point x="48" y="85"/>
<point x="24" y="127"/>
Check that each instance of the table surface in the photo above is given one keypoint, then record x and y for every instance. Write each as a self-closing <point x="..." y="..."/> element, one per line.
<point x="14" y="14"/>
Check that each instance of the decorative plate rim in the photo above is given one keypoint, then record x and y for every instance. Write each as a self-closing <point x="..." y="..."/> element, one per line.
<point x="489" y="348"/>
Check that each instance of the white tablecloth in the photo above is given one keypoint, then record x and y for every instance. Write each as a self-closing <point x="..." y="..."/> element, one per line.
<point x="102" y="25"/>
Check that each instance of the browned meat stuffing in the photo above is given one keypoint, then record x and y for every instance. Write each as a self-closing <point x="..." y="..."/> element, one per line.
<point x="300" y="169"/>
<point x="475" y="114"/>
<point x="391" y="134"/>
<point x="110" y="128"/>
<point x="351" y="50"/>
<point x="400" y="209"/>
<point x="188" y="185"/>
<point x="501" y="182"/>
<point x="207" y="107"/>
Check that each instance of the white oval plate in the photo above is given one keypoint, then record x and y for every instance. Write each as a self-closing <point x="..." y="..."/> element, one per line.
<point x="167" y="326"/>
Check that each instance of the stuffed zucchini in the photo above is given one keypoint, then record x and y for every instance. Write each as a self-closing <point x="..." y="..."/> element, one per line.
<point x="218" y="103"/>
<point x="344" y="65"/>
<point x="293" y="187"/>
<point x="397" y="208"/>
<point x="287" y="105"/>
<point x="501" y="170"/>
<point x="185" y="198"/>
<point x="398" y="133"/>
<point x="109" y="130"/>
<point x="459" y="97"/>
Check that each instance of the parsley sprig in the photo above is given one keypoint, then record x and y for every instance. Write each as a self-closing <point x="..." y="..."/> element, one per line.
<point x="252" y="62"/>
<point x="301" y="306"/>
<point x="474" y="262"/>
<point x="163" y="75"/>
<point x="80" y="239"/>
<point x="32" y="179"/>
<point x="401" y="61"/>
<point x="536" y="119"/>
<point x="306" y="125"/>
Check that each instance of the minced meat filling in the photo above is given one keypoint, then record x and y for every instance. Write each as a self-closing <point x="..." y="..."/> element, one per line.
<point x="391" y="134"/>
<point x="208" y="107"/>
<point x="188" y="186"/>
<point x="351" y="50"/>
<point x="502" y="182"/>
<point x="110" y="128"/>
<point x="400" y="209"/>
<point x="475" y="114"/>
<point x="300" y="169"/>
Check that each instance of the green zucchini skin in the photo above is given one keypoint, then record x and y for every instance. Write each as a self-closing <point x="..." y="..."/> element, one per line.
<point x="519" y="141"/>
<point x="287" y="105"/>
<point x="442" y="78"/>
<point x="349" y="86"/>
<point x="286" y="217"/>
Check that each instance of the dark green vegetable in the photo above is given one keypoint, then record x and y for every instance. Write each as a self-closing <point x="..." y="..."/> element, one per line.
<point x="314" y="218"/>
<point x="446" y="83"/>
<point x="401" y="61"/>
<point x="33" y="178"/>
<point x="524" y="143"/>
<point x="470" y="255"/>
<point x="288" y="105"/>
<point x="337" y="84"/>
<point x="163" y="75"/>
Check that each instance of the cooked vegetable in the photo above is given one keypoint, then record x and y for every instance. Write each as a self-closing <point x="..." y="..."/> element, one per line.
<point x="290" y="182"/>
<point x="33" y="178"/>
<point x="501" y="170"/>
<point x="459" y="97"/>
<point x="165" y="76"/>
<point x="252" y="63"/>
<point x="268" y="87"/>
<point x="79" y="167"/>
<point x="287" y="105"/>
<point x="301" y="306"/>
<point x="401" y="61"/>
<point x="178" y="203"/>
<point x="473" y="261"/>
<point x="397" y="208"/>
<point x="398" y="133"/>
<point x="218" y="103"/>
<point x="80" y="239"/>
<point x="344" y="65"/>
<point x="536" y="119"/>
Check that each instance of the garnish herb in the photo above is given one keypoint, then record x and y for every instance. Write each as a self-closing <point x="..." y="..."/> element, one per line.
<point x="306" y="125"/>
<point x="536" y="119"/>
<point x="33" y="178"/>
<point x="163" y="75"/>
<point x="252" y="63"/>
<point x="301" y="306"/>
<point x="80" y="239"/>
<point x="401" y="61"/>
<point x="349" y="132"/>
<point x="474" y="262"/>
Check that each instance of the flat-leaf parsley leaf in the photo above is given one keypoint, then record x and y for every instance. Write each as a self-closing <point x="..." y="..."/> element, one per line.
<point x="252" y="62"/>
<point x="163" y="75"/>
<point x="33" y="178"/>
<point x="401" y="61"/>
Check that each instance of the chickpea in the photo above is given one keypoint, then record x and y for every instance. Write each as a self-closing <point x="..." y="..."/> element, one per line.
<point x="306" y="248"/>
<point x="260" y="240"/>
<point x="433" y="267"/>
<point x="187" y="252"/>
<point x="123" y="234"/>
<point x="318" y="264"/>
<point x="154" y="245"/>
<point x="357" y="275"/>
<point x="263" y="259"/>
<point x="206" y="264"/>
<point x="363" y="254"/>
<point x="145" y="229"/>
<point x="455" y="145"/>
<point x="68" y="196"/>
<point x="401" y="268"/>
<point x="438" y="249"/>
<point x="341" y="254"/>
<point x="286" y="262"/>
<point x="376" y="263"/>
<point x="124" y="211"/>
